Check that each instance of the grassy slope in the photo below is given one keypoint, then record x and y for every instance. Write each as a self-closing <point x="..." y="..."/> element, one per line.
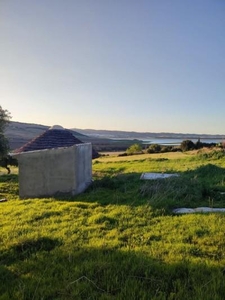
<point x="119" y="239"/>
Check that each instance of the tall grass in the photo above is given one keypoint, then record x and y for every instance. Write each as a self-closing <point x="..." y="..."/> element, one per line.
<point x="119" y="239"/>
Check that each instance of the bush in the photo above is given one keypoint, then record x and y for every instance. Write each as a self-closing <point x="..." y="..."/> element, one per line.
<point x="134" y="149"/>
<point x="154" y="148"/>
<point x="187" y="145"/>
<point x="122" y="154"/>
<point x="211" y="155"/>
<point x="166" y="149"/>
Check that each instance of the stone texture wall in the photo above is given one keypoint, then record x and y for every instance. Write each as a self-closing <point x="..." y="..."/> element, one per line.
<point x="55" y="171"/>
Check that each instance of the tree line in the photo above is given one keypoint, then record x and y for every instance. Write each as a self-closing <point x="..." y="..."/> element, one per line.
<point x="186" y="145"/>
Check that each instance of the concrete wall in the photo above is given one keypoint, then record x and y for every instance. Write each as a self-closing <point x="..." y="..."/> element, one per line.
<point x="55" y="171"/>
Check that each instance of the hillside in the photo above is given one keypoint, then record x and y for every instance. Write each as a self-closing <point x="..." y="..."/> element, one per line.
<point x="20" y="133"/>
<point x="116" y="134"/>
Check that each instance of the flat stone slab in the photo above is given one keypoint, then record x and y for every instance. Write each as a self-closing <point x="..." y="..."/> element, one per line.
<point x="3" y="200"/>
<point x="197" y="210"/>
<point x="150" y="176"/>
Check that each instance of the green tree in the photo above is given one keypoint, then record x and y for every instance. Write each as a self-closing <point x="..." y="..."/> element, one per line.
<point x="134" y="149"/>
<point x="198" y="144"/>
<point x="154" y="148"/>
<point x="4" y="120"/>
<point x="187" y="145"/>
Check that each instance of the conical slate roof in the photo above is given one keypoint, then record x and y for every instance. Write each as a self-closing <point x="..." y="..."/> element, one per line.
<point x="51" y="138"/>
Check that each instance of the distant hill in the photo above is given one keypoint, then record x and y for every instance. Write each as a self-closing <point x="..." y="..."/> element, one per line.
<point x="20" y="133"/>
<point x="114" y="134"/>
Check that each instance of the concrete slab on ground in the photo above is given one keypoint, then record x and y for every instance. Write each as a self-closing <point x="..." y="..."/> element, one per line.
<point x="150" y="176"/>
<point x="197" y="210"/>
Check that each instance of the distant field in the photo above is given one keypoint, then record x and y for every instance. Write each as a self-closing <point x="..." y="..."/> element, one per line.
<point x="119" y="239"/>
<point x="115" y="155"/>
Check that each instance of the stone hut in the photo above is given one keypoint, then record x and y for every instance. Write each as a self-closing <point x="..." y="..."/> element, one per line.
<point x="54" y="163"/>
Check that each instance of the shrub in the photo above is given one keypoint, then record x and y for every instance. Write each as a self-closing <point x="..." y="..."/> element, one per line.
<point x="187" y="145"/>
<point x="166" y="149"/>
<point x="134" y="149"/>
<point x="198" y="144"/>
<point x="122" y="154"/>
<point x="154" y="148"/>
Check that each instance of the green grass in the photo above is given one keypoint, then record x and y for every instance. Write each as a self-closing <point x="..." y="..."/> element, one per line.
<point x="119" y="239"/>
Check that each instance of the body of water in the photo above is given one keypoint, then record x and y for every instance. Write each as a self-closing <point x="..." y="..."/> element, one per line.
<point x="176" y="142"/>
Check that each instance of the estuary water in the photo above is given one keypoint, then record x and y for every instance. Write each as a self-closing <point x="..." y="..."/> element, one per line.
<point x="176" y="142"/>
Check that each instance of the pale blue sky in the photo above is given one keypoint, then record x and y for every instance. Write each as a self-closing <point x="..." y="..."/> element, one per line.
<point x="140" y="65"/>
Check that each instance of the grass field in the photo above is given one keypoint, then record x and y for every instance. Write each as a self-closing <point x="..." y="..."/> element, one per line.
<point x="119" y="239"/>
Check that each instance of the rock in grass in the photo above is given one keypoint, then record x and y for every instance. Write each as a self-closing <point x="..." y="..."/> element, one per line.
<point x="197" y="210"/>
<point x="183" y="210"/>
<point x="149" y="176"/>
<point x="3" y="200"/>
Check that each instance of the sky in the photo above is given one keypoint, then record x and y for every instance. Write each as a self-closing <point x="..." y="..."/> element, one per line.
<point x="133" y="65"/>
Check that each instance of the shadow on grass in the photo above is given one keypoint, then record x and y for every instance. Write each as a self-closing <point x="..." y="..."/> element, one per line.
<point x="9" y="178"/>
<point x="9" y="186"/>
<point x="27" y="248"/>
<point x="121" y="189"/>
<point x="210" y="174"/>
<point x="91" y="273"/>
<point x="203" y="186"/>
<point x="211" y="179"/>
